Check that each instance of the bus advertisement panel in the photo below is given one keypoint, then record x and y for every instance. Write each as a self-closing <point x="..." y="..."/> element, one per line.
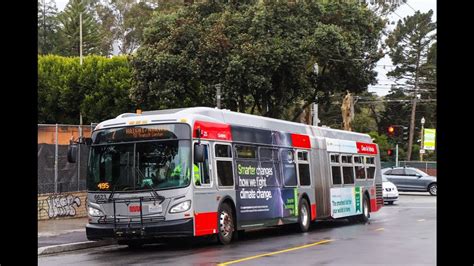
<point x="346" y="201"/>
<point x="259" y="194"/>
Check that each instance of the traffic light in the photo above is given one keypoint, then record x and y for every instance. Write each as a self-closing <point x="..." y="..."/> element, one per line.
<point x="405" y="133"/>
<point x="397" y="132"/>
<point x="389" y="152"/>
<point x="391" y="131"/>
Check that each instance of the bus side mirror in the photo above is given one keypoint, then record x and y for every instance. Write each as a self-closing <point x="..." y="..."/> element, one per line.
<point x="198" y="153"/>
<point x="72" y="153"/>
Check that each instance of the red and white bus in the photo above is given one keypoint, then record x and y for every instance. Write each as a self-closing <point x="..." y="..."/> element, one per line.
<point x="202" y="171"/>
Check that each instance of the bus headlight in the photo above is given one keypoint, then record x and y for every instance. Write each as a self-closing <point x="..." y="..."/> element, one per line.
<point x="181" y="207"/>
<point x="95" y="212"/>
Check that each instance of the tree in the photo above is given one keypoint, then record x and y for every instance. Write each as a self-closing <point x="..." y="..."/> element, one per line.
<point x="132" y="19"/>
<point x="384" y="144"/>
<point x="91" y="37"/>
<point x="408" y="46"/>
<point x="366" y="108"/>
<point x="48" y="27"/>
<point x="262" y="53"/>
<point x="428" y="88"/>
<point x="106" y="26"/>
<point x="98" y="89"/>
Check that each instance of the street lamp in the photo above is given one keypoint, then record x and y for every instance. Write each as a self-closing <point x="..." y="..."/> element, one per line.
<point x="422" y="148"/>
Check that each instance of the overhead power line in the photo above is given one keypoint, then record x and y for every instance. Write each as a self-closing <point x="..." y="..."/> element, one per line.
<point x="410" y="6"/>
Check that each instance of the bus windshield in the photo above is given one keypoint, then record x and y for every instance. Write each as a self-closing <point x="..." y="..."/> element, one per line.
<point x="138" y="165"/>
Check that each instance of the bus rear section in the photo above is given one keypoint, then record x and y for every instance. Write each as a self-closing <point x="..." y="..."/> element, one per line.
<point x="355" y="179"/>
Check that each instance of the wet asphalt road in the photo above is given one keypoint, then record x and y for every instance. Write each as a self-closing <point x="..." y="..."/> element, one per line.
<point x="404" y="233"/>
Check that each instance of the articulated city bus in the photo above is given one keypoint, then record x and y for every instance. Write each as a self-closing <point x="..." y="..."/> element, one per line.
<point x="202" y="171"/>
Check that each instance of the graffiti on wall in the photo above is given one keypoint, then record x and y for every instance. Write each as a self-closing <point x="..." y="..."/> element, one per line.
<point x="60" y="205"/>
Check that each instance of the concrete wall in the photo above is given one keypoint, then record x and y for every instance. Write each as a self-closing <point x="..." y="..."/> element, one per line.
<point x="62" y="206"/>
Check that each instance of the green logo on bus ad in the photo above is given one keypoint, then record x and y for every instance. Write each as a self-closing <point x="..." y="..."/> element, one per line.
<point x="357" y="200"/>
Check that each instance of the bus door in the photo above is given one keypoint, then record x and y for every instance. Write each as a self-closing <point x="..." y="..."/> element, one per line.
<point x="205" y="210"/>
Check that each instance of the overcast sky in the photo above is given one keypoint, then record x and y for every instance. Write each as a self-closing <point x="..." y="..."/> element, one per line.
<point x="385" y="64"/>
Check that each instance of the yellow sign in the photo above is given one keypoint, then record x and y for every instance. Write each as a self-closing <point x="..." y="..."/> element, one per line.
<point x="429" y="138"/>
<point x="104" y="185"/>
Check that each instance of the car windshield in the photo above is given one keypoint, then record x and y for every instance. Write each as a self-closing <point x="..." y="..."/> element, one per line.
<point x="420" y="172"/>
<point x="140" y="164"/>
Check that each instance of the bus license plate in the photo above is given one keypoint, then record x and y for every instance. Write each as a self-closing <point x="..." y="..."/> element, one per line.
<point x="155" y="208"/>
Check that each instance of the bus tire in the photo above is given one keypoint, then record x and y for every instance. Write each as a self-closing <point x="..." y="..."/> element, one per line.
<point x="364" y="217"/>
<point x="304" y="215"/>
<point x="225" y="224"/>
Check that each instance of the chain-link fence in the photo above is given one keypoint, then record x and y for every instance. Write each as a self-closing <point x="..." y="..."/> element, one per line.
<point x="55" y="174"/>
<point x="428" y="167"/>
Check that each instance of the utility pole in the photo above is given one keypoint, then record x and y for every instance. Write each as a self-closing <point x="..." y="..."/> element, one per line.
<point x="218" y="95"/>
<point x="315" y="113"/>
<point x="396" y="155"/>
<point x="80" y="113"/>
<point x="80" y="37"/>
<point x="44" y="25"/>
<point x="422" y="148"/>
<point x="413" y="109"/>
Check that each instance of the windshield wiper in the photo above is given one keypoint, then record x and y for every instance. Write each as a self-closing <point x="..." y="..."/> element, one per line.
<point x="112" y="194"/>
<point x="155" y="194"/>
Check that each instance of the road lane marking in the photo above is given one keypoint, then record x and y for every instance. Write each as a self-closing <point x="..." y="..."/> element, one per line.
<point x="379" y="229"/>
<point x="421" y="220"/>
<point x="274" y="253"/>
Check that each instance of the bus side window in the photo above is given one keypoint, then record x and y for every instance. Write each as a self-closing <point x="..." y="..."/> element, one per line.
<point x="359" y="167"/>
<point x="336" y="169"/>
<point x="347" y="169"/>
<point x="370" y="165"/>
<point x="348" y="174"/>
<point x="202" y="176"/>
<point x="289" y="168"/>
<point x="336" y="175"/>
<point x="303" y="168"/>
<point x="223" y="154"/>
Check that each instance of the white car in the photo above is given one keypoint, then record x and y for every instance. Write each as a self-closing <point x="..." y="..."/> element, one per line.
<point x="390" y="191"/>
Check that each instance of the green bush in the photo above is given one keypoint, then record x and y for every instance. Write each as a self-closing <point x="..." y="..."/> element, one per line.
<point x="99" y="89"/>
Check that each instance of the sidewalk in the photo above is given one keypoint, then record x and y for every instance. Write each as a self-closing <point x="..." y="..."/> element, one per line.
<point x="64" y="235"/>
<point x="64" y="231"/>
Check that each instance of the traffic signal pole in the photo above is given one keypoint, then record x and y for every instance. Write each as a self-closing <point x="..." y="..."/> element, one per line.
<point x="396" y="155"/>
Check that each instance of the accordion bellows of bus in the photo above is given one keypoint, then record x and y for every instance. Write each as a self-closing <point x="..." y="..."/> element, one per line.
<point x="202" y="171"/>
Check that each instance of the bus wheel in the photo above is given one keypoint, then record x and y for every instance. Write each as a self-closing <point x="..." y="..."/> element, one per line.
<point x="304" y="216"/>
<point x="364" y="217"/>
<point x="226" y="224"/>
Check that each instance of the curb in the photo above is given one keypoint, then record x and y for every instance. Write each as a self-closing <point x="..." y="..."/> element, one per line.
<point x="74" y="246"/>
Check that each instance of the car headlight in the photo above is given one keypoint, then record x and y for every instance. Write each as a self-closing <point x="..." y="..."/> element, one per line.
<point x="95" y="212"/>
<point x="181" y="207"/>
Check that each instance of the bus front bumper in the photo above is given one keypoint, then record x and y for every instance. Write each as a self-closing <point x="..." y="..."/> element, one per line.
<point x="173" y="228"/>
